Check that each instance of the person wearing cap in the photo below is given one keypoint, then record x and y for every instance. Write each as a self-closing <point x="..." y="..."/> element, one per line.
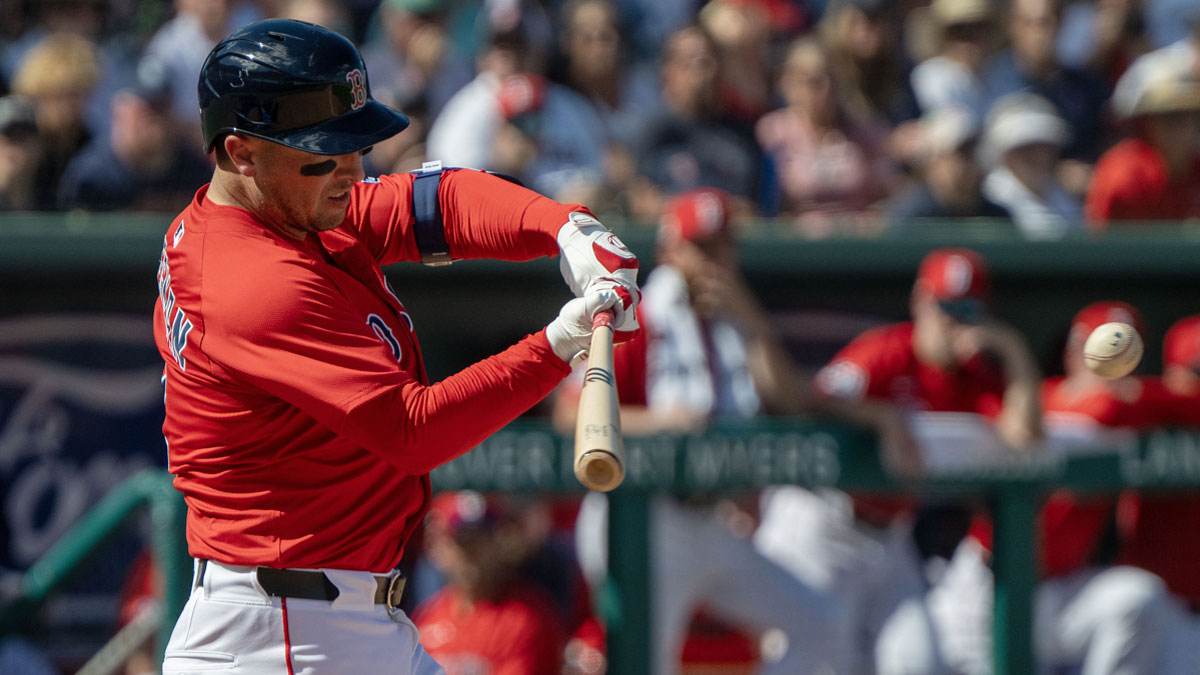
<point x="301" y="424"/>
<point x="1154" y="174"/>
<point x="707" y="353"/>
<point x="965" y="39"/>
<point x="57" y="75"/>
<point x="1089" y="614"/>
<point x="486" y="618"/>
<point x="1022" y="141"/>
<point x="871" y="550"/>
<point x="949" y="182"/>
<point x="141" y="164"/>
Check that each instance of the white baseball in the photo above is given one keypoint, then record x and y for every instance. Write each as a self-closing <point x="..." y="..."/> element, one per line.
<point x="1113" y="350"/>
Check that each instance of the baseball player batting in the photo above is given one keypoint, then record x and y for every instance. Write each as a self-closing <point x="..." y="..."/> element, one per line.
<point x="300" y="421"/>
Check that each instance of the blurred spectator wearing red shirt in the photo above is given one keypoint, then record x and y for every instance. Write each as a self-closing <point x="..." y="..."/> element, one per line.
<point x="950" y="358"/>
<point x="486" y="619"/>
<point x="1088" y="617"/>
<point x="1159" y="529"/>
<point x="1154" y="174"/>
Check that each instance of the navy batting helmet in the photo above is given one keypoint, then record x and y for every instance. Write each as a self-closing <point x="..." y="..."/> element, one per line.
<point x="293" y="83"/>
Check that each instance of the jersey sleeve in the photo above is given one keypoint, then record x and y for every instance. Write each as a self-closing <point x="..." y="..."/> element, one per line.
<point x="484" y="216"/>
<point x="859" y="371"/>
<point x="297" y="339"/>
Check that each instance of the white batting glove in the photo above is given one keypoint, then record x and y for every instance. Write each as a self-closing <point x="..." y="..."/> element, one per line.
<point x="591" y="254"/>
<point x="570" y="334"/>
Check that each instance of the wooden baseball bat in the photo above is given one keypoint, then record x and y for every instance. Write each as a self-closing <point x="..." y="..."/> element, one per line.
<point x="599" y="455"/>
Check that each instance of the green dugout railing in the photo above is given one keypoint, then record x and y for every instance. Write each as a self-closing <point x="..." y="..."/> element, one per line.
<point x="531" y="457"/>
<point x="148" y="491"/>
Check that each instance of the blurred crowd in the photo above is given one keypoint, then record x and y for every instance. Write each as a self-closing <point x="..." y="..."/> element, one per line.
<point x="834" y="116"/>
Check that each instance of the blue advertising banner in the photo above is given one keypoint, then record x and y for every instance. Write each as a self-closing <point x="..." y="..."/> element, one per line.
<point x="80" y="410"/>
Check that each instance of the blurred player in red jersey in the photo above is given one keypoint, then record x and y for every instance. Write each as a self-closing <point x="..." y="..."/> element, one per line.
<point x="486" y="619"/>
<point x="708" y="353"/>
<point x="300" y="422"/>
<point x="952" y="357"/>
<point x="1089" y="617"/>
<point x="1159" y="529"/>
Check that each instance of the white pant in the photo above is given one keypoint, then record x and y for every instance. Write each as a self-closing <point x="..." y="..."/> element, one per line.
<point x="230" y="625"/>
<point x="876" y="573"/>
<point x="1097" y="621"/>
<point x="696" y="560"/>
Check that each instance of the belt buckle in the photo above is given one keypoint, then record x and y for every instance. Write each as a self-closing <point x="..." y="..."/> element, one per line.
<point x="395" y="591"/>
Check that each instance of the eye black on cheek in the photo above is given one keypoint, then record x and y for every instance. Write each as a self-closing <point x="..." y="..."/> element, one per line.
<point x="319" y="168"/>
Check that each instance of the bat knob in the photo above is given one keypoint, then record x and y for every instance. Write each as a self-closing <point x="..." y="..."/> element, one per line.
<point x="599" y="470"/>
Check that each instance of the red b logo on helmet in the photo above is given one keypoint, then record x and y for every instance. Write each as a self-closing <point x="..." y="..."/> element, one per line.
<point x="358" y="85"/>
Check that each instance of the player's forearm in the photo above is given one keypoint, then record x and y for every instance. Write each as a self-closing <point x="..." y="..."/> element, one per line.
<point x="418" y="428"/>
<point x="1020" y="421"/>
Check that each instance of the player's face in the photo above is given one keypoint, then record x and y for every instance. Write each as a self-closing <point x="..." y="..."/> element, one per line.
<point x="303" y="192"/>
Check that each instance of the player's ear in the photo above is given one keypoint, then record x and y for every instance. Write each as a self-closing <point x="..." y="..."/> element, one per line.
<point x="241" y="153"/>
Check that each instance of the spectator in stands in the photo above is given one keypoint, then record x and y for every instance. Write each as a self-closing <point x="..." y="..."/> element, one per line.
<point x="419" y="67"/>
<point x="707" y="352"/>
<point x="1089" y="616"/>
<point x="693" y="142"/>
<point x="952" y="357"/>
<point x="550" y="138"/>
<point x="742" y="34"/>
<point x="1022" y="141"/>
<point x="622" y="91"/>
<point x="96" y="21"/>
<point x="179" y="48"/>
<point x="949" y="182"/>
<point x="862" y="39"/>
<point x="510" y="119"/>
<point x="594" y="64"/>
<point x="141" y="165"/>
<point x="1155" y="173"/>
<point x="486" y="619"/>
<point x="1158" y="527"/>
<point x="952" y="77"/>
<point x="832" y="169"/>
<point x="1101" y="36"/>
<point x="416" y="67"/>
<point x="1030" y="65"/>
<point x="57" y="75"/>
<point x="19" y="152"/>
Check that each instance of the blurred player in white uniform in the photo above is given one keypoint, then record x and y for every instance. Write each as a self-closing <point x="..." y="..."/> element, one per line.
<point x="708" y="353"/>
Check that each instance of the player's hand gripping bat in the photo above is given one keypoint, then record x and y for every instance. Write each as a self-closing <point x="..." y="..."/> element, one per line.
<point x="599" y="455"/>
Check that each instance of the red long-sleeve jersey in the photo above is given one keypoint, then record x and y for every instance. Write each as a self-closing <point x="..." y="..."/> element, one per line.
<point x="300" y="423"/>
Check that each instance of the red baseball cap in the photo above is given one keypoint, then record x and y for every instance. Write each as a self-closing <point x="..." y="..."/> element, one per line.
<point x="467" y="509"/>
<point x="1097" y="314"/>
<point x="696" y="215"/>
<point x="1181" y="346"/>
<point x="959" y="279"/>
<point x="521" y="94"/>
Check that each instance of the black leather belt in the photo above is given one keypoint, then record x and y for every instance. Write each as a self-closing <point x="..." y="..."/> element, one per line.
<point x="314" y="585"/>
